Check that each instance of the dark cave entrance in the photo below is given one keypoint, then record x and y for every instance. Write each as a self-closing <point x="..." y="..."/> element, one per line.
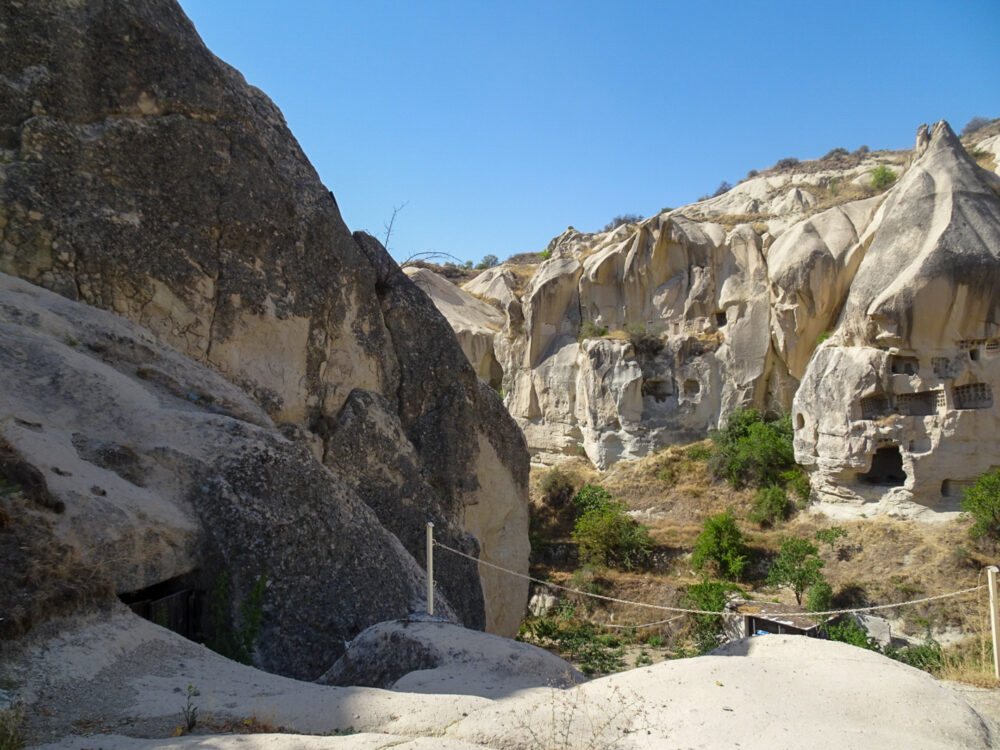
<point x="887" y="468"/>
<point x="174" y="604"/>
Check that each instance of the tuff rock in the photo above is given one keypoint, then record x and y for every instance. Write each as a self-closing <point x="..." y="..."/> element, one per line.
<point x="142" y="175"/>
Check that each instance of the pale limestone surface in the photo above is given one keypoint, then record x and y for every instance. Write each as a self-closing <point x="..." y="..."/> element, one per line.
<point x="775" y="691"/>
<point x="897" y="412"/>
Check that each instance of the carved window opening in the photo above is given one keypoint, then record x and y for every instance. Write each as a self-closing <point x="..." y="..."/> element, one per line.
<point x="974" y="354"/>
<point x="973" y="396"/>
<point x="800" y="421"/>
<point x="887" y="468"/>
<point x="904" y="365"/>
<point x="873" y="407"/>
<point x="942" y="399"/>
<point x="658" y="389"/>
<point x="720" y="319"/>
<point x="691" y="387"/>
<point x="921" y="404"/>
<point x="954" y="487"/>
<point x="992" y="345"/>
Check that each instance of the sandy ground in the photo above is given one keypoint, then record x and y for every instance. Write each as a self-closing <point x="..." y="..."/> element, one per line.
<point x="108" y="680"/>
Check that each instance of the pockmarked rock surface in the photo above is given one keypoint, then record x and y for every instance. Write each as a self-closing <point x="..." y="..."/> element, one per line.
<point x="127" y="675"/>
<point x="142" y="175"/>
<point x="155" y="468"/>
<point x="896" y="411"/>
<point x="426" y="656"/>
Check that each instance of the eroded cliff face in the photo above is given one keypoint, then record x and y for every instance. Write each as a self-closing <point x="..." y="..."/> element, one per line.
<point x="897" y="409"/>
<point x="140" y="174"/>
<point x="624" y="341"/>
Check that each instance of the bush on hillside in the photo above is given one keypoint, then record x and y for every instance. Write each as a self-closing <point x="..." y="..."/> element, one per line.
<point x="620" y="220"/>
<point x="644" y="342"/>
<point x="770" y="506"/>
<point x="982" y="502"/>
<point x="557" y="488"/>
<point x="882" y="177"/>
<point x="721" y="542"/>
<point x="976" y="123"/>
<point x="604" y="533"/>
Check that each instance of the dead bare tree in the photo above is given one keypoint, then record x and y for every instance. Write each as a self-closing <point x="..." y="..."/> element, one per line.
<point x="388" y="227"/>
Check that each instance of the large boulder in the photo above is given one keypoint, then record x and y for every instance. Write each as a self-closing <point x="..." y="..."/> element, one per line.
<point x="156" y="468"/>
<point x="897" y="409"/>
<point x="428" y="656"/>
<point x="142" y="175"/>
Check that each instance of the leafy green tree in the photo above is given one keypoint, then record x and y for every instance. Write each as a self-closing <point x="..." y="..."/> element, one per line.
<point x="982" y="502"/>
<point x="797" y="566"/>
<point x="751" y="451"/>
<point x="488" y="261"/>
<point x="607" y="536"/>
<point x="722" y="541"/>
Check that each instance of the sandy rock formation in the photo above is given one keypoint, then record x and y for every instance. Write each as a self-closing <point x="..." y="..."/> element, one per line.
<point x="897" y="409"/>
<point x="142" y="175"/>
<point x="474" y="322"/>
<point x="414" y="656"/>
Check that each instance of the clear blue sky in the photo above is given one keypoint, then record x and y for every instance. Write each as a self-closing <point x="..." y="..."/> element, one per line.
<point x="501" y="123"/>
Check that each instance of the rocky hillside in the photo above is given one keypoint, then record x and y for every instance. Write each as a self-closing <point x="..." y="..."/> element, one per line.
<point x="287" y="400"/>
<point x="623" y="341"/>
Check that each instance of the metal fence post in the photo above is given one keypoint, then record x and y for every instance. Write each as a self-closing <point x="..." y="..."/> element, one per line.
<point x="991" y="578"/>
<point x="430" y="568"/>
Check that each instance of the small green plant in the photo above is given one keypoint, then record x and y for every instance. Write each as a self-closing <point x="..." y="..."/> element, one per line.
<point x="546" y="254"/>
<point x="770" y="506"/>
<point x="823" y="337"/>
<point x="982" y="503"/>
<point x="190" y="710"/>
<point x="797" y="566"/>
<point x="236" y="643"/>
<point x="698" y="452"/>
<point x="722" y="542"/>
<point x="591" y="330"/>
<point x="655" y="641"/>
<point x="882" y="177"/>
<point x="643" y="659"/>
<point x="831" y="535"/>
<point x="12" y="729"/>
<point x="710" y="596"/>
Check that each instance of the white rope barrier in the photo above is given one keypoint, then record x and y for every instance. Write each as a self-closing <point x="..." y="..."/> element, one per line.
<point x="683" y="610"/>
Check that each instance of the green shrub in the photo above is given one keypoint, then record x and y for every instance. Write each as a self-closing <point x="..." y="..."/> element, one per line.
<point x="698" y="452"/>
<point x="722" y="542"/>
<point x="591" y="497"/>
<point x="590" y="330"/>
<point x="830" y="535"/>
<point x="546" y="254"/>
<point x="644" y="342"/>
<point x="711" y="596"/>
<point x="797" y="481"/>
<point x="882" y="177"/>
<point x="823" y="337"/>
<point x="797" y="566"/>
<point x="557" y="488"/>
<point x="607" y="536"/>
<point x="770" y="506"/>
<point x="926" y="656"/>
<point x="848" y="631"/>
<point x="751" y="451"/>
<point x="982" y="502"/>
<point x="820" y="598"/>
